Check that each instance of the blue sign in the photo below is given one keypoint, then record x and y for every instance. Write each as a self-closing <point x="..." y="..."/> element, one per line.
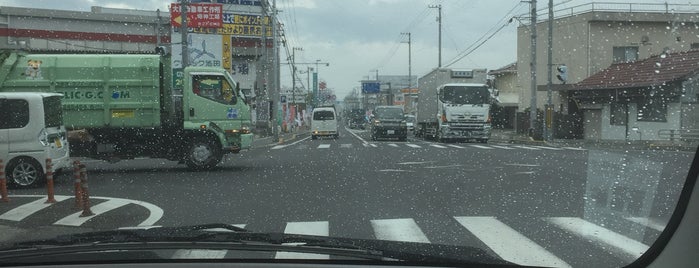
<point x="371" y="87"/>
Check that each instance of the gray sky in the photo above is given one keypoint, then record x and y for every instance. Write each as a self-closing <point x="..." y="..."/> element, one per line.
<point x="358" y="37"/>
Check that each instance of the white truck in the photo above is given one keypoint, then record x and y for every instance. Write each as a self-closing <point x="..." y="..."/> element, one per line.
<point x="454" y="105"/>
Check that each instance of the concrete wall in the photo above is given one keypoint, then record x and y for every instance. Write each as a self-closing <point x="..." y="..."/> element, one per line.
<point x="646" y="130"/>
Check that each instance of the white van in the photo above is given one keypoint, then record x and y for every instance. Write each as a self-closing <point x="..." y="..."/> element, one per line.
<point x="31" y="130"/>
<point x="324" y="123"/>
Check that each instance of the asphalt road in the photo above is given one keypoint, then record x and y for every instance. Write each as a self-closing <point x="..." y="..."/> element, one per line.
<point x="536" y="205"/>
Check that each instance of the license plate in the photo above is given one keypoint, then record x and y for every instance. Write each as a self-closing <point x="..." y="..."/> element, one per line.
<point x="390" y="132"/>
<point x="58" y="143"/>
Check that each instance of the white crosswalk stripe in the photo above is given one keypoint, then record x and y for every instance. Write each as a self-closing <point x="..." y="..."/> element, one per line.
<point x="504" y="240"/>
<point x="594" y="232"/>
<point x="654" y="224"/>
<point x="398" y="230"/>
<point x="323" y="146"/>
<point x="346" y="145"/>
<point x="509" y="244"/>
<point x="413" y="145"/>
<point x="438" y="146"/>
<point x="434" y="145"/>
<point x="456" y="146"/>
<point x="320" y="228"/>
<point x="393" y="145"/>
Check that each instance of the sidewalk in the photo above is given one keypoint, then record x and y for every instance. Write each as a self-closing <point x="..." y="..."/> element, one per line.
<point x="510" y="136"/>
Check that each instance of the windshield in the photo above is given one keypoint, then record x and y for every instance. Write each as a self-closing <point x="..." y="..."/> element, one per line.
<point x="389" y="113"/>
<point x="419" y="132"/>
<point x="465" y="95"/>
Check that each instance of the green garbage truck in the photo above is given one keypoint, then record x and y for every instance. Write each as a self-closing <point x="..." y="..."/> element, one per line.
<point x="124" y="106"/>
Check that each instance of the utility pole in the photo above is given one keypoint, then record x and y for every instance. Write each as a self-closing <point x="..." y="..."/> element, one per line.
<point x="275" y="63"/>
<point x="439" y="20"/>
<point x="548" y="114"/>
<point x="293" y="74"/>
<point x="532" y="66"/>
<point x="410" y="75"/>
<point x="183" y="32"/>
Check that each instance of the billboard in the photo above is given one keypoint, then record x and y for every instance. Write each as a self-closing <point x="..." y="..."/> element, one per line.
<point x="198" y="15"/>
<point x="371" y="87"/>
<point x="204" y="50"/>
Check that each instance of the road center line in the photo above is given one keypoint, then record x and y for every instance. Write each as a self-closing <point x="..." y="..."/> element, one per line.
<point x="355" y="135"/>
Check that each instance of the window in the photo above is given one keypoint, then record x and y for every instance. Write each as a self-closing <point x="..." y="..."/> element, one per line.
<point x="14" y="113"/>
<point x="213" y="87"/>
<point x="652" y="110"/>
<point x="618" y="114"/>
<point x="323" y="115"/>
<point x="53" y="114"/>
<point x="625" y="54"/>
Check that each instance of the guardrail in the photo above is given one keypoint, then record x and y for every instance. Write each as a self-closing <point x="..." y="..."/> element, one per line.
<point x="679" y="134"/>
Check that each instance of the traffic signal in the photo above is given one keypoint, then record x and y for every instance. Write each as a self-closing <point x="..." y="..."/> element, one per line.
<point x="562" y="73"/>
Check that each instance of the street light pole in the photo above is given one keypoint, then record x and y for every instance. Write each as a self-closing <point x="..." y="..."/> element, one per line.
<point x="532" y="66"/>
<point x="183" y="33"/>
<point x="410" y="75"/>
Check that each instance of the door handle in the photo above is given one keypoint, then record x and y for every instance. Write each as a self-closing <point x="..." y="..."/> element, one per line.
<point x="191" y="111"/>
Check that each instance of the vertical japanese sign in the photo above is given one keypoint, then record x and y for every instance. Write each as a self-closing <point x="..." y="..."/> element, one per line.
<point x="198" y="15"/>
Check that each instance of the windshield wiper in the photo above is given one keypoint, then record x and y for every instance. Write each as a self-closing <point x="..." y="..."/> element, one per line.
<point x="224" y="236"/>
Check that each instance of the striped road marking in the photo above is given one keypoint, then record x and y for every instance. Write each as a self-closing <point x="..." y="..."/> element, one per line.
<point x="346" y="145"/>
<point x="509" y="244"/>
<point x="413" y="145"/>
<point x="398" y="230"/>
<point x="23" y="211"/>
<point x="320" y="228"/>
<point x="393" y="145"/>
<point x="437" y="146"/>
<point x="455" y="146"/>
<point x="600" y="234"/>
<point x="75" y="219"/>
<point x="323" y="146"/>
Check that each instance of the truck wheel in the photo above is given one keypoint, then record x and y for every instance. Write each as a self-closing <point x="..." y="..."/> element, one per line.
<point x="25" y="172"/>
<point x="203" y="154"/>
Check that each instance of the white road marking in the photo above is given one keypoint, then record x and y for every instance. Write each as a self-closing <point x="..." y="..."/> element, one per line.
<point x="373" y="145"/>
<point x="438" y="146"/>
<point x="654" y="224"/>
<point x="395" y="170"/>
<point x="415" y="163"/>
<point x="522" y="165"/>
<point x="393" y="145"/>
<point x="525" y="147"/>
<point x="155" y="212"/>
<point x="365" y="144"/>
<point x="398" y="230"/>
<point x="355" y="135"/>
<point x="481" y="147"/>
<point x="346" y="145"/>
<point x="525" y="172"/>
<point x="548" y="148"/>
<point x="413" y="145"/>
<point x="199" y="254"/>
<point x="75" y="219"/>
<point x="600" y="234"/>
<point x="276" y="147"/>
<point x="502" y="147"/>
<point x="574" y="148"/>
<point x="509" y="244"/>
<point x="456" y="146"/>
<point x="23" y="211"/>
<point x="323" y="146"/>
<point x="320" y="228"/>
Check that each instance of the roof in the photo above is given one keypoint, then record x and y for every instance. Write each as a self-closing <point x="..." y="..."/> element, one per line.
<point x="654" y="71"/>
<point x="510" y="68"/>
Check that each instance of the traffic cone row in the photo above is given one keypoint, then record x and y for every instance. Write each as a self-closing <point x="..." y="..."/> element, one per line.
<point x="49" y="182"/>
<point x="85" y="194"/>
